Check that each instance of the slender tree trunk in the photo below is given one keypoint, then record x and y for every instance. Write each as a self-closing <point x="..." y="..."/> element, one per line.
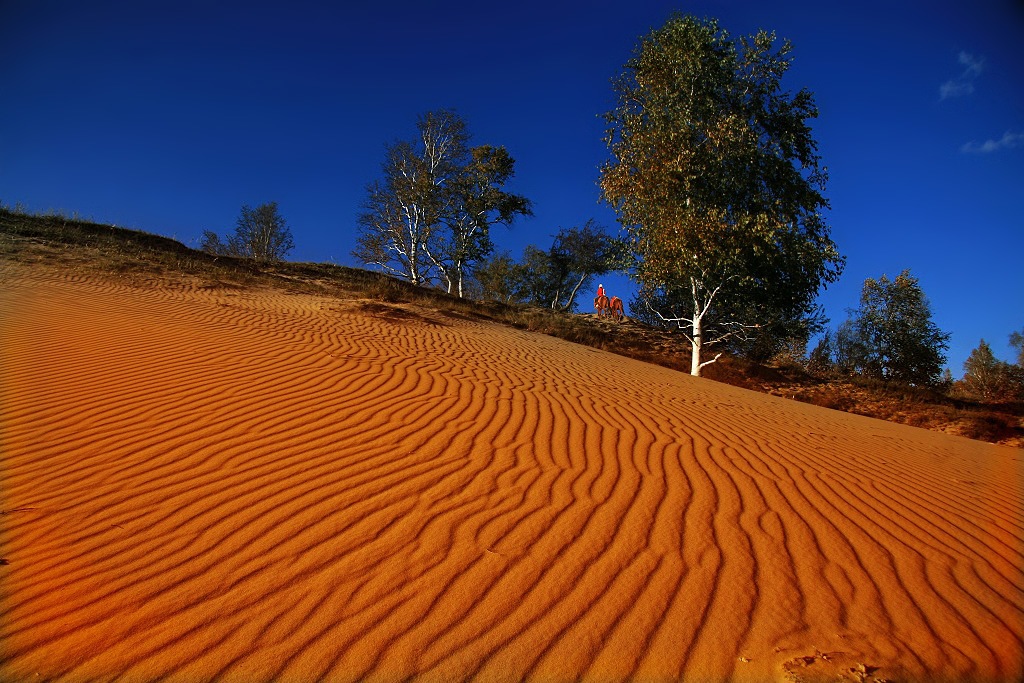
<point x="697" y="342"/>
<point x="575" y="289"/>
<point x="414" y="274"/>
<point x="701" y="306"/>
<point x="554" y="302"/>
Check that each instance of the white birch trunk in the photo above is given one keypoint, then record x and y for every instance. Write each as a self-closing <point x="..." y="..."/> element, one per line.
<point x="414" y="271"/>
<point x="572" y="296"/>
<point x="696" y="342"/>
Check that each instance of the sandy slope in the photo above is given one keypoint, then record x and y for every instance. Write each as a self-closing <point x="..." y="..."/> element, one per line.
<point x="247" y="486"/>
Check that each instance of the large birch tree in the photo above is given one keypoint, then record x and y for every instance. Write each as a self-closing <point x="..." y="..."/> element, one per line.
<point x="428" y="218"/>
<point x="403" y="208"/>
<point x="715" y="177"/>
<point x="475" y="201"/>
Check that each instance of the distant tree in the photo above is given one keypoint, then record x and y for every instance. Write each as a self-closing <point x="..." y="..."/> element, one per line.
<point x="501" y="278"/>
<point x="985" y="376"/>
<point x="716" y="180"/>
<point x="1014" y="382"/>
<point x="820" y="359"/>
<point x="430" y="215"/>
<point x="475" y="202"/>
<point x="770" y="331"/>
<point x="642" y="310"/>
<point x="1017" y="342"/>
<point x="540" y="280"/>
<point x="847" y="349"/>
<point x="774" y="331"/>
<point x="263" y="233"/>
<point x="212" y="244"/>
<point x="260" y="234"/>
<point x="577" y="255"/>
<point x="892" y="336"/>
<point x="403" y="209"/>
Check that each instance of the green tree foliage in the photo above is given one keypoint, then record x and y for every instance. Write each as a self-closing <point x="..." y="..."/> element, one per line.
<point x="847" y="348"/>
<point x="989" y="379"/>
<point x="501" y="278"/>
<point x="400" y="214"/>
<point x="261" y="233"/>
<point x="264" y="233"/>
<point x="892" y="336"/>
<point x="715" y="177"/>
<point x="1017" y="342"/>
<point x="538" y="277"/>
<point x="776" y="331"/>
<point x="428" y="218"/>
<point x="475" y="203"/>
<point x="768" y="331"/>
<point x="820" y="359"/>
<point x="981" y="372"/>
<point x="577" y="255"/>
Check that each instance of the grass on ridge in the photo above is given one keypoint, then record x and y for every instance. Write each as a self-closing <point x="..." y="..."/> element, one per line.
<point x="144" y="258"/>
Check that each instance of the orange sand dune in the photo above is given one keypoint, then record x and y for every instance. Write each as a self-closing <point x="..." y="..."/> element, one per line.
<point x="245" y="485"/>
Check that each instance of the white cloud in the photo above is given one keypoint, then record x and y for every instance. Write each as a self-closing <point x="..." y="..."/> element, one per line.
<point x="964" y="83"/>
<point x="973" y="64"/>
<point x="955" y="89"/>
<point x="1009" y="139"/>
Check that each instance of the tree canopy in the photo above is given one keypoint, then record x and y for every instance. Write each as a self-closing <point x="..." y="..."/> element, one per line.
<point x="553" y="277"/>
<point x="989" y="379"/>
<point x="429" y="217"/>
<point x="576" y="256"/>
<point x="891" y="335"/>
<point x="260" y="233"/>
<point x="1017" y="342"/>
<point x="715" y="177"/>
<point x="502" y="278"/>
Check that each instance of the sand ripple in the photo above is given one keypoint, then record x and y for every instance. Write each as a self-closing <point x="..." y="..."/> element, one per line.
<point x="245" y="485"/>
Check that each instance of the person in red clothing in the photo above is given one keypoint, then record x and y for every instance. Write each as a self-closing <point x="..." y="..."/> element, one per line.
<point x="601" y="302"/>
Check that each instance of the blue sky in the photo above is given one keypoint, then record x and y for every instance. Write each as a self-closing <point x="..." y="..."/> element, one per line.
<point x="169" y="116"/>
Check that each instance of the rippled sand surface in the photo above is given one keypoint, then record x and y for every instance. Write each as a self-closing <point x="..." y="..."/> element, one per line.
<point x="248" y="485"/>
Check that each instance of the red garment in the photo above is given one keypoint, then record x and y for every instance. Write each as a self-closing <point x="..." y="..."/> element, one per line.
<point x="600" y="291"/>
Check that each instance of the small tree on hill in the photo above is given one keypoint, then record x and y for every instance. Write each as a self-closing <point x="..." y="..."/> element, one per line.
<point x="212" y="244"/>
<point x="502" y="279"/>
<point x="1017" y="342"/>
<point x="820" y="359"/>
<point x="260" y="234"/>
<point x="263" y="233"/>
<point x="475" y="201"/>
<point x="578" y="255"/>
<point x="892" y="336"/>
<point x="985" y="377"/>
<point x="847" y="350"/>
<point x="554" y="277"/>
<point x="402" y="209"/>
<point x="428" y="219"/>
<point x="540" y="280"/>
